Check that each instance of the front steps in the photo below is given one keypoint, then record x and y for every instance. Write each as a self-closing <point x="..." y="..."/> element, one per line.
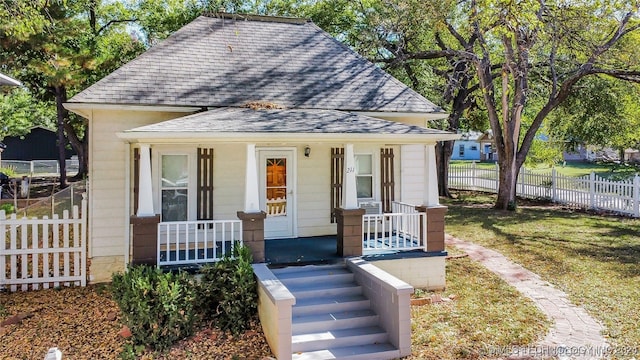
<point x="332" y="319"/>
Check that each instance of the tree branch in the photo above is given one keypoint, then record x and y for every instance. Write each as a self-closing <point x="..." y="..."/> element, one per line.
<point x="111" y="22"/>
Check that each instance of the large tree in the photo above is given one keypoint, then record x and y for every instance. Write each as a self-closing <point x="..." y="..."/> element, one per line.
<point x="60" y="47"/>
<point x="526" y="49"/>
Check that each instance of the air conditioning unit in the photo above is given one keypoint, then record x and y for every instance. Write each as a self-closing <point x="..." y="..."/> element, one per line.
<point x="371" y="207"/>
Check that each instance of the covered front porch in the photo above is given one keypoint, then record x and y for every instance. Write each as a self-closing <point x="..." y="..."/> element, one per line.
<point x="200" y="242"/>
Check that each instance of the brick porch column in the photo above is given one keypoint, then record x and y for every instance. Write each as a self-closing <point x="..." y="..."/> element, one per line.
<point x="145" y="239"/>
<point x="253" y="233"/>
<point x="349" y="223"/>
<point x="435" y="226"/>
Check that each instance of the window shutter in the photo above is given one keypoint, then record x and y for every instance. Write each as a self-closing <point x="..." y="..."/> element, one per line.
<point x="387" y="183"/>
<point x="337" y="166"/>
<point x="205" y="184"/>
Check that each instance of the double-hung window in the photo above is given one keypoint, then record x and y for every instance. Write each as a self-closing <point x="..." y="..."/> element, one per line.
<point x="175" y="187"/>
<point x="364" y="176"/>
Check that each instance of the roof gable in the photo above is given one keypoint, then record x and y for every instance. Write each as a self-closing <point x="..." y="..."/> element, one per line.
<point x="222" y="62"/>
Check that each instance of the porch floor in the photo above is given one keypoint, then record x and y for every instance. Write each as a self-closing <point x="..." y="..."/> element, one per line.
<point x="323" y="250"/>
<point x="302" y="251"/>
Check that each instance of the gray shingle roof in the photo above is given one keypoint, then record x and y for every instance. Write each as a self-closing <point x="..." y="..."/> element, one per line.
<point x="243" y="120"/>
<point x="220" y="62"/>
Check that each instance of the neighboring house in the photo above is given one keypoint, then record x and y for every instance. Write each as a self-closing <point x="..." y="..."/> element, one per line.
<point x="39" y="144"/>
<point x="8" y="81"/>
<point x="467" y="147"/>
<point x="474" y="145"/>
<point x="265" y="122"/>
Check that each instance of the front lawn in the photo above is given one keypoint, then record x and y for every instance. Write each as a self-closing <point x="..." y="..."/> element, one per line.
<point x="485" y="315"/>
<point x="595" y="259"/>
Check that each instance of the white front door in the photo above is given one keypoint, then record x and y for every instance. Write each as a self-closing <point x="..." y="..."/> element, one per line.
<point x="277" y="179"/>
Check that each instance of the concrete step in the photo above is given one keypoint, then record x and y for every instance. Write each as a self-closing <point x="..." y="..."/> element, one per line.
<point x="333" y="321"/>
<point x="323" y="289"/>
<point x="338" y="338"/>
<point x="299" y="269"/>
<point x="319" y="305"/>
<point x="321" y="275"/>
<point x="384" y="351"/>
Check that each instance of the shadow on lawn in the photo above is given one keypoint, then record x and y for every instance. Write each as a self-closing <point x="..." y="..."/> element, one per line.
<point x="551" y="235"/>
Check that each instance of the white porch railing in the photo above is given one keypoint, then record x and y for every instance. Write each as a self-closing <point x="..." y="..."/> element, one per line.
<point x="197" y="242"/>
<point x="394" y="231"/>
<point x="404" y="208"/>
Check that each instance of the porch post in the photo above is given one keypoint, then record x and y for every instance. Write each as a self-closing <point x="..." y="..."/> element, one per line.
<point x="434" y="234"/>
<point x="251" y="187"/>
<point x="252" y="217"/>
<point x="349" y="216"/>
<point x="145" y="221"/>
<point x="145" y="192"/>
<point x="349" y="191"/>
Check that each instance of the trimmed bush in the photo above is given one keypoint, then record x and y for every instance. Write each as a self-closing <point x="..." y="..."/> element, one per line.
<point x="228" y="291"/>
<point x="157" y="307"/>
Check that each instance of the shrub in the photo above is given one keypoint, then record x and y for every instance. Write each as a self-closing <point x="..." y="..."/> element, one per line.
<point x="8" y="208"/>
<point x="157" y="307"/>
<point x="228" y="291"/>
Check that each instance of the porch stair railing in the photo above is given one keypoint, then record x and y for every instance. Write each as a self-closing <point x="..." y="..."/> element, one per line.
<point x="197" y="242"/>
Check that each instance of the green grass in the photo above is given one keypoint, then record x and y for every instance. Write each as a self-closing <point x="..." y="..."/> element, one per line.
<point x="486" y="313"/>
<point x="574" y="169"/>
<point x="595" y="259"/>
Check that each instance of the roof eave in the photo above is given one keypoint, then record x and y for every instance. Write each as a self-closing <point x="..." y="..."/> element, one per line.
<point x="242" y="137"/>
<point x="84" y="109"/>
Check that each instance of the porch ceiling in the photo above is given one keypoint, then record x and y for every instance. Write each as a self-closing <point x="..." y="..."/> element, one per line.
<point x="245" y="124"/>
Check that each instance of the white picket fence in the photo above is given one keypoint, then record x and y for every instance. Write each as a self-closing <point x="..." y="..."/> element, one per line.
<point x="44" y="252"/>
<point x="588" y="191"/>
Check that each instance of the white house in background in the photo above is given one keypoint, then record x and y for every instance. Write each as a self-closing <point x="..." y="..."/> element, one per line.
<point x="263" y="124"/>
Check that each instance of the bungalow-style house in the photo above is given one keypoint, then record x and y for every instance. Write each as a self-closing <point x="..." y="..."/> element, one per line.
<point x="266" y="129"/>
<point x="39" y="143"/>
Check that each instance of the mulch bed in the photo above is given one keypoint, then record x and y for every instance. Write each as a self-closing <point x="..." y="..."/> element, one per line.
<point x="84" y="324"/>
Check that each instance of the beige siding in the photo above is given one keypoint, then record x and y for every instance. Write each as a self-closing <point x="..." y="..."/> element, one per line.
<point x="412" y="183"/>
<point x="109" y="220"/>
<point x="314" y="191"/>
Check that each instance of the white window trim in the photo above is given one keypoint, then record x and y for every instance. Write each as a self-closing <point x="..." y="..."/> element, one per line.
<point x="157" y="153"/>
<point x="375" y="175"/>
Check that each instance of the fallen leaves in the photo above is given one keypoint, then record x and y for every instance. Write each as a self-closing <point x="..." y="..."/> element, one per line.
<point x="84" y="323"/>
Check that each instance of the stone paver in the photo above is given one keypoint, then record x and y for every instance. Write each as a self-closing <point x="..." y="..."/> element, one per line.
<point x="574" y="335"/>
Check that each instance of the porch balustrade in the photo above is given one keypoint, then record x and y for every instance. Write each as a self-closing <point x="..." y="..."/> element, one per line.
<point x="395" y="231"/>
<point x="197" y="242"/>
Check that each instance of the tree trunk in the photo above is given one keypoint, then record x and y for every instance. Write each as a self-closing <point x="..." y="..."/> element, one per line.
<point x="444" y="149"/>
<point x="82" y="149"/>
<point x="508" y="177"/>
<point x="61" y="98"/>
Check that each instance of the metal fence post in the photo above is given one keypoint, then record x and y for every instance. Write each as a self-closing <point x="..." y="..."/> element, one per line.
<point x="473" y="175"/>
<point x="497" y="177"/>
<point x="636" y="196"/>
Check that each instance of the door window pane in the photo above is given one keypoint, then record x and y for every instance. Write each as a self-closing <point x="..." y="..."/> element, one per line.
<point x="174" y="187"/>
<point x="276" y="186"/>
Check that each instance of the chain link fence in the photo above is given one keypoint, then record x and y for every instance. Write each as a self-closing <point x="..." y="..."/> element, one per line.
<point x="39" y="167"/>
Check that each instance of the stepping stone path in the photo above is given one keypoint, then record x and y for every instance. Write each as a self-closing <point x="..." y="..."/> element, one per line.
<point x="574" y="335"/>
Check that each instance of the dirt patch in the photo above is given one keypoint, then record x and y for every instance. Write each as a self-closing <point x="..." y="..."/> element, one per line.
<point x="84" y="324"/>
